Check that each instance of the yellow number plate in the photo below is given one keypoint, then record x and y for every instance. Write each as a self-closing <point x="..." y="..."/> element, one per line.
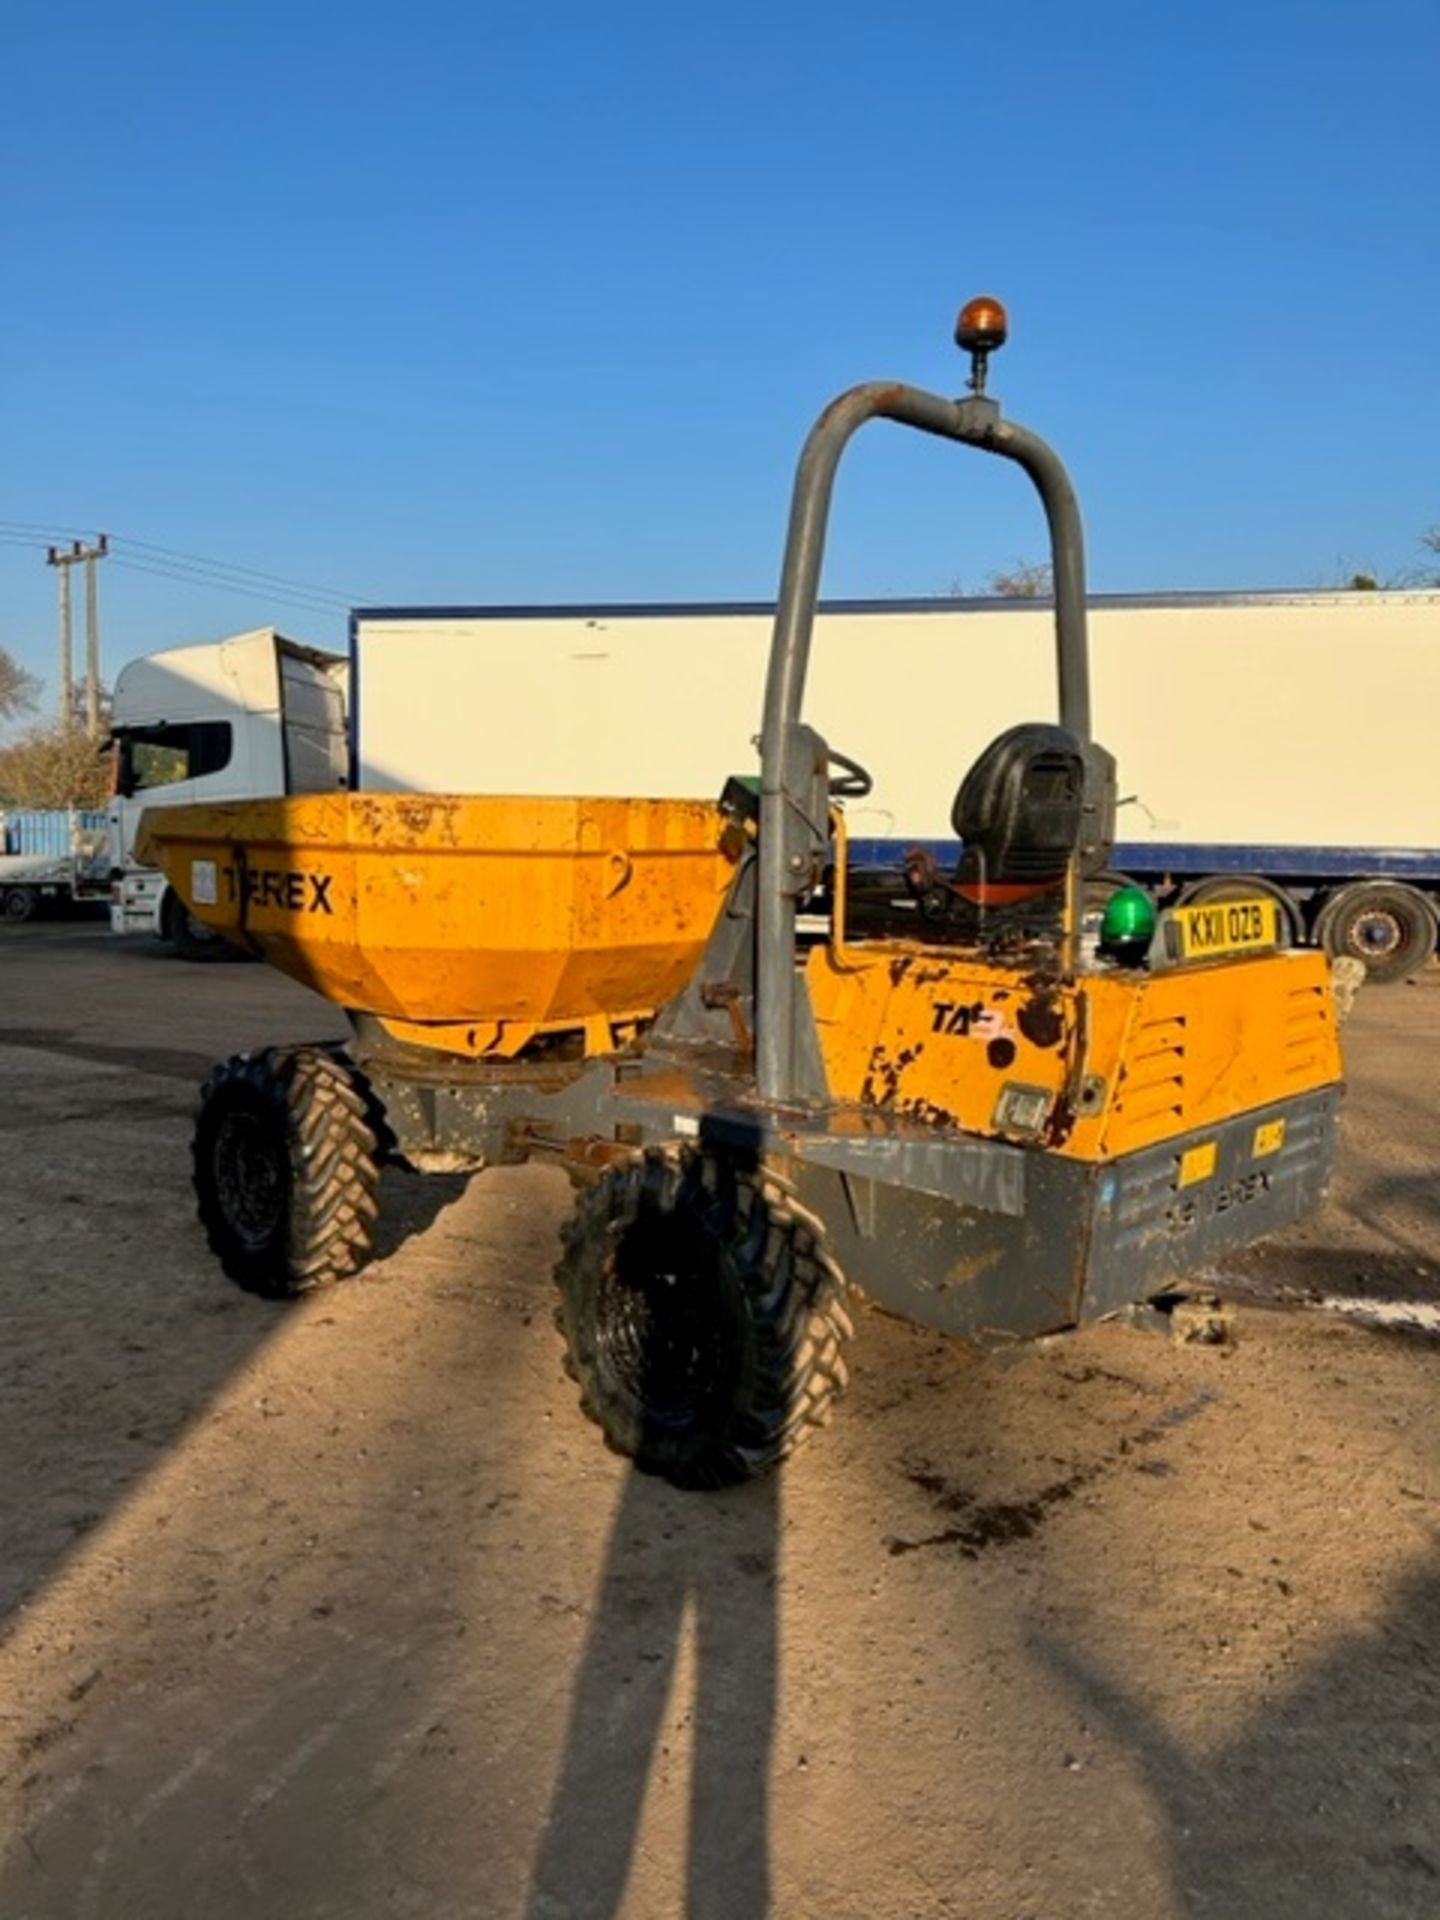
<point x="1224" y="926"/>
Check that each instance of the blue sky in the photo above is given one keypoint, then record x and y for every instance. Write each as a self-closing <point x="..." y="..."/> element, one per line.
<point x="495" y="302"/>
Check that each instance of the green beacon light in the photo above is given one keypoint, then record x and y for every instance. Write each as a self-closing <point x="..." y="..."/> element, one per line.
<point x="1128" y="925"/>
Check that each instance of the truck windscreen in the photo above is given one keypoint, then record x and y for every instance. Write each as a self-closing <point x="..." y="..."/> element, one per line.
<point x="159" y="756"/>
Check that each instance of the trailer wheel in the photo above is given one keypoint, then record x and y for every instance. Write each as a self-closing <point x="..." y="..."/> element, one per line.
<point x="1243" y="886"/>
<point x="286" y="1169"/>
<point x="1390" y="926"/>
<point x="703" y="1316"/>
<point x="190" y="937"/>
<point x="18" y="905"/>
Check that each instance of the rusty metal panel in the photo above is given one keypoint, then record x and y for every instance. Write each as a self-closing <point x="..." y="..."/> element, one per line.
<point x="1125" y="1059"/>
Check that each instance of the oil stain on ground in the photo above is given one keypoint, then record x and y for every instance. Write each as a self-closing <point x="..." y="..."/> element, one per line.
<point x="980" y="1525"/>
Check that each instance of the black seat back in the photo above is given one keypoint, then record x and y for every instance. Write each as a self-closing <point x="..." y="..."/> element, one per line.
<point x="1036" y="798"/>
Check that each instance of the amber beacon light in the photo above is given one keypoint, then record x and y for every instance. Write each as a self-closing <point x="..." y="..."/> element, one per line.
<point x="982" y="327"/>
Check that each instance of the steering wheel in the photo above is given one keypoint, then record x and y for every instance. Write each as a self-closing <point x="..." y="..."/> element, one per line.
<point x="853" y="782"/>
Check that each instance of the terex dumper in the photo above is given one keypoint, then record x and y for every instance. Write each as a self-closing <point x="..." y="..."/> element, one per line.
<point x="972" y="1114"/>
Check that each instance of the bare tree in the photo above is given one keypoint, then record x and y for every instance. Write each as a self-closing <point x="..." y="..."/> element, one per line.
<point x="54" y="766"/>
<point x="1351" y="579"/>
<point x="18" y="689"/>
<point x="1026" y="580"/>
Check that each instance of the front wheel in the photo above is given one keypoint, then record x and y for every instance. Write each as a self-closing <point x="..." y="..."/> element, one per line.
<point x="286" y="1169"/>
<point x="703" y="1315"/>
<point x="18" y="904"/>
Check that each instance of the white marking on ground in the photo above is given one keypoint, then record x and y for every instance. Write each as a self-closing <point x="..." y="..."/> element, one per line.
<point x="1419" y="1316"/>
<point x="204" y="1755"/>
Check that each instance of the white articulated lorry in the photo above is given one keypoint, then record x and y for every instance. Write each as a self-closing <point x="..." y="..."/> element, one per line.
<point x="1275" y="740"/>
<point x="234" y="719"/>
<point x="1278" y="740"/>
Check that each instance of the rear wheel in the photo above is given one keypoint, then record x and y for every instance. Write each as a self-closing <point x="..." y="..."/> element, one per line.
<point x="18" y="904"/>
<point x="286" y="1169"/>
<point x="1384" y="923"/>
<point x="703" y="1316"/>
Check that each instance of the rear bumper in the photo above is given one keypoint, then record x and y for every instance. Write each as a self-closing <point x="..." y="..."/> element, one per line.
<point x="1149" y="1224"/>
<point x="1058" y="1241"/>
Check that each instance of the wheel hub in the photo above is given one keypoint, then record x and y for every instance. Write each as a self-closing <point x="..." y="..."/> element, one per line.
<point x="1375" y="934"/>
<point x="249" y="1170"/>
<point x="658" y="1331"/>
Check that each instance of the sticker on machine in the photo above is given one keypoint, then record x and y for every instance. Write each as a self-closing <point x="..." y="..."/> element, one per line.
<point x="204" y="885"/>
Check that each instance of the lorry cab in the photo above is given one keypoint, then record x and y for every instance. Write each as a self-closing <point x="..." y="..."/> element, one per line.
<point x="253" y="715"/>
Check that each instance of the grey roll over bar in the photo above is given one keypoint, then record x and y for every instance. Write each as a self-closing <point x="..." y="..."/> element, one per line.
<point x="976" y="421"/>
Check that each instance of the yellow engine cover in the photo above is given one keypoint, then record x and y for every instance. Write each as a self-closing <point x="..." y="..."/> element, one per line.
<point x="1112" y="1061"/>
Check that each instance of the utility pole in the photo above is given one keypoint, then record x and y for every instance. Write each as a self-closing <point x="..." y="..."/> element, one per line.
<point x="67" y="659"/>
<point x="92" y="638"/>
<point x="63" y="563"/>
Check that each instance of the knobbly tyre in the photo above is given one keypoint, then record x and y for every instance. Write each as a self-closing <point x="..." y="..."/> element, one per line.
<point x="973" y="1109"/>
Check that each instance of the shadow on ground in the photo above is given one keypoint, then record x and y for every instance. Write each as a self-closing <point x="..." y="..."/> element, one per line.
<point x="1325" y="1801"/>
<point x="119" y="1327"/>
<point x="721" y="1583"/>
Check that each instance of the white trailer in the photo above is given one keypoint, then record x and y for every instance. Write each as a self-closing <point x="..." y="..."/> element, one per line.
<point x="1283" y="740"/>
<point x="234" y="719"/>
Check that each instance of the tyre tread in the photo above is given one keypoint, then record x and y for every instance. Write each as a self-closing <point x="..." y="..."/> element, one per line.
<point x="324" y="1109"/>
<point x="794" y="1294"/>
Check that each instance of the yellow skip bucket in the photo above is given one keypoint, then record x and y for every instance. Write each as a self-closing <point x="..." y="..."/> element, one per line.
<point x="467" y="922"/>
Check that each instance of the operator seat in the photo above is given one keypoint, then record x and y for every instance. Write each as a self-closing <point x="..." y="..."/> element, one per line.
<point x="1035" y="799"/>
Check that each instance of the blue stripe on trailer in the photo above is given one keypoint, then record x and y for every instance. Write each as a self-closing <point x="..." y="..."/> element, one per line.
<point x="1145" y="857"/>
<point x="1283" y="863"/>
<point x="923" y="603"/>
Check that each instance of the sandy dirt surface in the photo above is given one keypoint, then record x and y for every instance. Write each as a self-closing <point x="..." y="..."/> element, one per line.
<point x="343" y="1610"/>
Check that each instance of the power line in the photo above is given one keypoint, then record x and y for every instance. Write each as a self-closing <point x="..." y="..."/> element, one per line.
<point x="218" y="572"/>
<point x="182" y="573"/>
<point x="195" y="565"/>
<point x="50" y="527"/>
<point x="16" y="531"/>
<point x="214" y="576"/>
<point x="212" y="582"/>
<point x="245" y="590"/>
<point x="256" y="573"/>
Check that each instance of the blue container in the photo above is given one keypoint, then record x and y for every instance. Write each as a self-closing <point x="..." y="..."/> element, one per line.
<point x="48" y="834"/>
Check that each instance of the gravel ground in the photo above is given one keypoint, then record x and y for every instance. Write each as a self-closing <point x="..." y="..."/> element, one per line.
<point x="343" y="1610"/>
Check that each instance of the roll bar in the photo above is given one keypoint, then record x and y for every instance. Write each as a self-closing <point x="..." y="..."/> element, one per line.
<point x="976" y="421"/>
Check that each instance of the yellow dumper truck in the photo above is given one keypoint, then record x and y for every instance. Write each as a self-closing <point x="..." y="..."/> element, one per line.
<point x="970" y="1102"/>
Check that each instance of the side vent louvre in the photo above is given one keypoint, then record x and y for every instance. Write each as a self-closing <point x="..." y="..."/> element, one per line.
<point x="1150" y="1098"/>
<point x="1306" y="1026"/>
